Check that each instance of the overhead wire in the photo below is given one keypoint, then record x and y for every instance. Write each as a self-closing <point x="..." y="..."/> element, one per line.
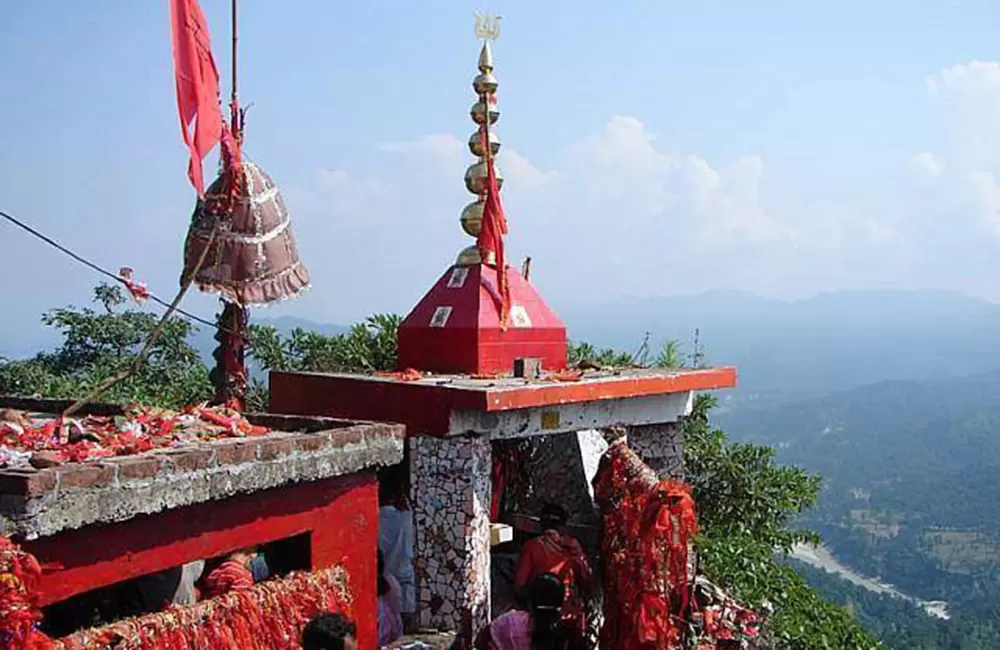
<point x="95" y="267"/>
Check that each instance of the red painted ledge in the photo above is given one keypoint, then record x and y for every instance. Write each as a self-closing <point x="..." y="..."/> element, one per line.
<point x="424" y="405"/>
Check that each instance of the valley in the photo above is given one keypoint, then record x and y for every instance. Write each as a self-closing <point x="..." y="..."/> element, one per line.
<point x="821" y="558"/>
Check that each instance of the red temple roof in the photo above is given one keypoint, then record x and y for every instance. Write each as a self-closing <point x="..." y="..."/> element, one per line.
<point x="455" y="328"/>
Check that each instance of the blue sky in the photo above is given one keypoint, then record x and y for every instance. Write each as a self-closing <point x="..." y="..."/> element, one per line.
<point x="650" y="147"/>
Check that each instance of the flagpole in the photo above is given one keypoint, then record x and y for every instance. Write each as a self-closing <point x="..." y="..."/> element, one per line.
<point x="234" y="106"/>
<point x="231" y="378"/>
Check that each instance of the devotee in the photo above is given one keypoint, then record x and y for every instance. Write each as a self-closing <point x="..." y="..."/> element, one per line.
<point x="233" y="573"/>
<point x="540" y="627"/>
<point x="259" y="568"/>
<point x="330" y="631"/>
<point x="395" y="540"/>
<point x="558" y="553"/>
<point x="390" y="623"/>
<point x="150" y="593"/>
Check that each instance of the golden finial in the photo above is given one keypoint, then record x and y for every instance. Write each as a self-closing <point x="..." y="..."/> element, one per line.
<point x="484" y="114"/>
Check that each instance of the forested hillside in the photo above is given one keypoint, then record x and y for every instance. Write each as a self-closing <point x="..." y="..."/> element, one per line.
<point x="900" y="624"/>
<point x="911" y="483"/>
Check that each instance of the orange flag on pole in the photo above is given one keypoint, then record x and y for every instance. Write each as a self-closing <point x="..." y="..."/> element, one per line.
<point x="197" y="85"/>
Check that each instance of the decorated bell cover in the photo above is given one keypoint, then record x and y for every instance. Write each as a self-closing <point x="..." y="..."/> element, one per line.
<point x="254" y="259"/>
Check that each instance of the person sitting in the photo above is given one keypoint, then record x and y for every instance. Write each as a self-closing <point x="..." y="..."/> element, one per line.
<point x="233" y="573"/>
<point x="539" y="627"/>
<point x="559" y="553"/>
<point x="330" y="631"/>
<point x="390" y="623"/>
<point x="395" y="540"/>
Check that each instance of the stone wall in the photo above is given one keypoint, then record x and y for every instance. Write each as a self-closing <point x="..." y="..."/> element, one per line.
<point x="660" y="446"/>
<point x="561" y="469"/>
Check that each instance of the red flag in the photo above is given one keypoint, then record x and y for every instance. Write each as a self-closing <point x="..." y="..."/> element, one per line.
<point x="197" y="84"/>
<point x="491" y="233"/>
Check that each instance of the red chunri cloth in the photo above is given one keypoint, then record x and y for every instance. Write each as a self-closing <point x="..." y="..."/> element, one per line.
<point x="231" y="575"/>
<point x="19" y="613"/>
<point x="263" y="617"/>
<point x="646" y="526"/>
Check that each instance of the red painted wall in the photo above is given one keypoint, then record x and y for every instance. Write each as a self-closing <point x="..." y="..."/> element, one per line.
<point x="340" y="515"/>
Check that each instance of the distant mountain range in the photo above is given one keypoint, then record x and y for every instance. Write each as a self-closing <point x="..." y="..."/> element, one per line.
<point x="783" y="350"/>
<point x="833" y="341"/>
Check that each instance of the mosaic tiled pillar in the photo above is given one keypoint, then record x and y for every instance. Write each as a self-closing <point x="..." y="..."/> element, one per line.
<point x="450" y="484"/>
<point x="660" y="446"/>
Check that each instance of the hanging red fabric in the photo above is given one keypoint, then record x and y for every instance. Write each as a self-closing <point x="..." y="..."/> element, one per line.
<point x="230" y="575"/>
<point x="197" y="81"/>
<point x="646" y="526"/>
<point x="493" y="229"/>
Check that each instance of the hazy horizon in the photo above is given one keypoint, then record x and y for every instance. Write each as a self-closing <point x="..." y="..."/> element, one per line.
<point x="597" y="317"/>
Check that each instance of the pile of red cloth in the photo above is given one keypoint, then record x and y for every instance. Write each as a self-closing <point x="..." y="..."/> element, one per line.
<point x="646" y="525"/>
<point x="19" y="612"/>
<point x="650" y="601"/>
<point x="721" y="618"/>
<point x="268" y="615"/>
<point x="44" y="440"/>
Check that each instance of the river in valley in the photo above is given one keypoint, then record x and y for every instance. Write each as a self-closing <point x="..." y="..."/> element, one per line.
<point x="821" y="557"/>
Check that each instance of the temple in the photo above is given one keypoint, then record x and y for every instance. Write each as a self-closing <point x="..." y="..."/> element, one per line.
<point x="485" y="417"/>
<point x="472" y="388"/>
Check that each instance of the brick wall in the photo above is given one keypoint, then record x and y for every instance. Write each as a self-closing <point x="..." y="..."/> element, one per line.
<point x="40" y="502"/>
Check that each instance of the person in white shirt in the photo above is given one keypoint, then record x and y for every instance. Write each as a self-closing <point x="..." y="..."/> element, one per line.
<point x="395" y="541"/>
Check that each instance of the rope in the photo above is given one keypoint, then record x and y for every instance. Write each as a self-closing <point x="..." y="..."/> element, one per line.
<point x="113" y="276"/>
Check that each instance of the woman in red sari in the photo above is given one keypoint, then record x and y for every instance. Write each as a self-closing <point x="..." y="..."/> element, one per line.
<point x="558" y="553"/>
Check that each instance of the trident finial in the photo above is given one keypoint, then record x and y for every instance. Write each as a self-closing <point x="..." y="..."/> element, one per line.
<point x="487" y="26"/>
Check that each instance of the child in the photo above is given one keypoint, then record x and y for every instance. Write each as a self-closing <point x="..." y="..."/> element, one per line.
<point x="540" y="627"/>
<point x="330" y="631"/>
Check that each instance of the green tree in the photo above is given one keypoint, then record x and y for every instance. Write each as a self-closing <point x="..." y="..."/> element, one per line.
<point x="101" y="341"/>
<point x="369" y="346"/>
<point x="98" y="344"/>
